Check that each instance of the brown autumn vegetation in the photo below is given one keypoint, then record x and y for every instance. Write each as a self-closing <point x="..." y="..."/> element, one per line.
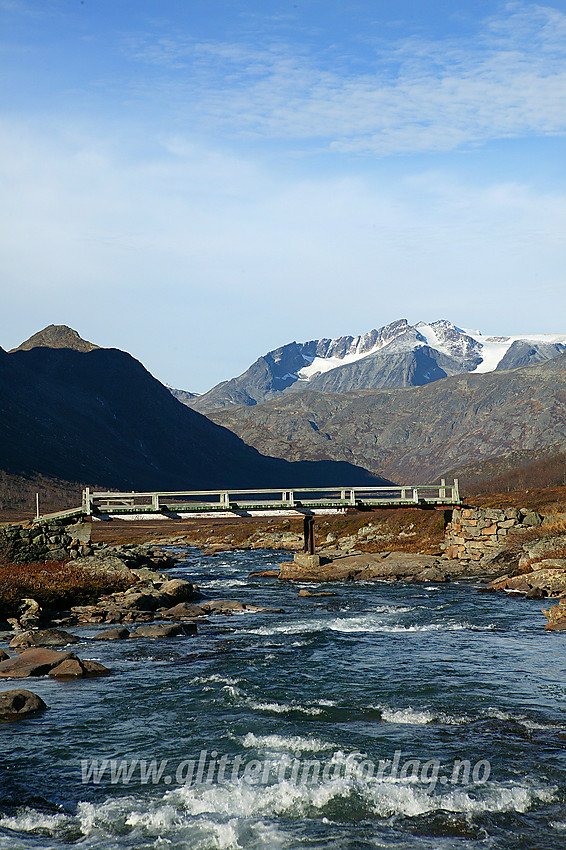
<point x="405" y="529"/>
<point x="402" y="529"/>
<point x="18" y="492"/>
<point x="55" y="585"/>
<point x="543" y="473"/>
<point x="546" y="500"/>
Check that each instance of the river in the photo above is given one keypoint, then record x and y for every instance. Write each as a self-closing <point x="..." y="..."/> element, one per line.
<point x="386" y="716"/>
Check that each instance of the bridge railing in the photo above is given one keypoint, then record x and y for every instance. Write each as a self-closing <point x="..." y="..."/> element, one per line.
<point x="269" y="499"/>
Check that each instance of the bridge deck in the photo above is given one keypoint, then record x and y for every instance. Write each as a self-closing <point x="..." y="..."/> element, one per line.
<point x="301" y="499"/>
<point x="249" y="502"/>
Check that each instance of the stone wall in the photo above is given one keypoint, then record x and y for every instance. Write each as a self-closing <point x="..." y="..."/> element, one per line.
<point x="54" y="540"/>
<point x="480" y="534"/>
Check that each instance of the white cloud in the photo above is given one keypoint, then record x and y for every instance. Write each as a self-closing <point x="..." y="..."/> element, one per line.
<point x="197" y="261"/>
<point x="411" y="96"/>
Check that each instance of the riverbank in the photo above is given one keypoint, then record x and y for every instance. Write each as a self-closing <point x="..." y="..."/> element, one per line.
<point x="516" y="550"/>
<point x="417" y="676"/>
<point x="482" y="543"/>
<point x="406" y="530"/>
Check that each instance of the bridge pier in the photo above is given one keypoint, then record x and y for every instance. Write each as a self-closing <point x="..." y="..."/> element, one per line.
<point x="308" y="531"/>
<point x="307" y="558"/>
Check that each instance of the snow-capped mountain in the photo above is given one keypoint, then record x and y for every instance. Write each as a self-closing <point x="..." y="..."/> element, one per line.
<point x="397" y="355"/>
<point x="398" y="337"/>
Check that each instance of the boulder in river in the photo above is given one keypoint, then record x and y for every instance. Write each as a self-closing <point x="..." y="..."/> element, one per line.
<point x="93" y="669"/>
<point x="137" y="604"/>
<point x="234" y="606"/>
<point x="556" y="616"/>
<point x="368" y="567"/>
<point x="140" y="600"/>
<point x="536" y="593"/>
<point x="165" y="631"/>
<point x="183" y="611"/>
<point x="17" y="704"/>
<point x="223" y="606"/>
<point x="265" y="574"/>
<point x="32" y="662"/>
<point x="178" y="590"/>
<point x="112" y="634"/>
<point x="46" y="637"/>
<point x="41" y="662"/>
<point x="74" y="668"/>
<point x="305" y="592"/>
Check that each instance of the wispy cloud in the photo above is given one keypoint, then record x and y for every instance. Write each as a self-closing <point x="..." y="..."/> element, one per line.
<point x="11" y="6"/>
<point x="134" y="201"/>
<point x="409" y="96"/>
<point x="215" y="254"/>
<point x="22" y="8"/>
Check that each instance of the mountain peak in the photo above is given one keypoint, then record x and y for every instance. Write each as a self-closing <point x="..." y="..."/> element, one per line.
<point x="397" y="355"/>
<point x="56" y="336"/>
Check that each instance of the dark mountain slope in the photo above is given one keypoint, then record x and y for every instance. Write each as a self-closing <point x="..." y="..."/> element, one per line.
<point x="420" y="433"/>
<point x="100" y="417"/>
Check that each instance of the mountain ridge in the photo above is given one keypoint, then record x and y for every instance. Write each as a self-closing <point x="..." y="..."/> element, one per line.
<point x="56" y="336"/>
<point x="397" y="355"/>
<point x="99" y="417"/>
<point x="420" y="433"/>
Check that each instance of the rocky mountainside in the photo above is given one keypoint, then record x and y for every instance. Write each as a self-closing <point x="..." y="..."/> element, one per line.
<point x="99" y="417"/>
<point x="56" y="336"/>
<point x="182" y="395"/>
<point x="417" y="434"/>
<point x="398" y="355"/>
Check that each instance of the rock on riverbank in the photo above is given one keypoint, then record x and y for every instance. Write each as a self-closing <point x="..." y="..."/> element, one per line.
<point x="140" y="603"/>
<point x="556" y="616"/>
<point x="391" y="566"/>
<point x="548" y="579"/>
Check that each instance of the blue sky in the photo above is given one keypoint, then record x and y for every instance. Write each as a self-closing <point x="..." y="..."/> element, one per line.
<point x="198" y="182"/>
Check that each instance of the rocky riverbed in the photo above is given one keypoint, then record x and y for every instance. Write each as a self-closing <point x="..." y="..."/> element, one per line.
<point x="435" y="670"/>
<point x="153" y="606"/>
<point x="520" y="553"/>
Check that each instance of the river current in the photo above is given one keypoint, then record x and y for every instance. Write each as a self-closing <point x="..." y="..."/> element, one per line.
<point x="387" y="716"/>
